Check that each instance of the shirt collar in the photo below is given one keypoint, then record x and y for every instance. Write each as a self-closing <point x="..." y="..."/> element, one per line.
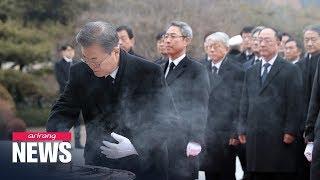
<point x="67" y="59"/>
<point x="248" y="53"/>
<point x="295" y="61"/>
<point x="177" y="61"/>
<point x="114" y="73"/>
<point x="271" y="61"/>
<point x="257" y="58"/>
<point x="217" y="65"/>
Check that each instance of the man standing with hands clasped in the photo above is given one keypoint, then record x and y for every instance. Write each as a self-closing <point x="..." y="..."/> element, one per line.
<point x="270" y="113"/>
<point x="188" y="82"/>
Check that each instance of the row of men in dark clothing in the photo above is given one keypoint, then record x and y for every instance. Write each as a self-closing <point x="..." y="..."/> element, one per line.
<point x="253" y="104"/>
<point x="246" y="54"/>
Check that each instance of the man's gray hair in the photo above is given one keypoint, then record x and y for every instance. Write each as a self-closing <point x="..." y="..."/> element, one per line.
<point x="218" y="37"/>
<point x="101" y="33"/>
<point x="314" y="27"/>
<point x="185" y="29"/>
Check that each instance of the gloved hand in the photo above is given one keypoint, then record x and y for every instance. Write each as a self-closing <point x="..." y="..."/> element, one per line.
<point x="118" y="150"/>
<point x="308" y="151"/>
<point x="193" y="149"/>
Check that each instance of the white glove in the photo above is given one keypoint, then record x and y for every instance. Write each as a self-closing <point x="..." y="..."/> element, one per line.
<point x="308" y="151"/>
<point x="118" y="150"/>
<point x="193" y="149"/>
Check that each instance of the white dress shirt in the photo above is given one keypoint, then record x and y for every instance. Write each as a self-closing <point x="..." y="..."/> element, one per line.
<point x="271" y="62"/>
<point x="295" y="61"/>
<point x="114" y="73"/>
<point x="175" y="62"/>
<point x="217" y="65"/>
<point x="67" y="59"/>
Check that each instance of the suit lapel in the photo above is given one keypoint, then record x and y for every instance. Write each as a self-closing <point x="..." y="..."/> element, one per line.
<point x="216" y="80"/>
<point x="208" y="65"/>
<point x="164" y="66"/>
<point x="224" y="68"/>
<point x="178" y="70"/>
<point x="273" y="72"/>
<point x="123" y="82"/>
<point x="66" y="67"/>
<point x="223" y="71"/>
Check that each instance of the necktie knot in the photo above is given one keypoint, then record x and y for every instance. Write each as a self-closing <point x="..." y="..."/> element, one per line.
<point x="214" y="69"/>
<point x="109" y="79"/>
<point x="266" y="65"/>
<point x="172" y="65"/>
<point x="265" y="72"/>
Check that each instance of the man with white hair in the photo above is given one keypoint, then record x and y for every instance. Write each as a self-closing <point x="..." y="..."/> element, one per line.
<point x="226" y="84"/>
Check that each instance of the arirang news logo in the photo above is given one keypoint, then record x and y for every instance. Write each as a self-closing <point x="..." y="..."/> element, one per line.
<point x="41" y="147"/>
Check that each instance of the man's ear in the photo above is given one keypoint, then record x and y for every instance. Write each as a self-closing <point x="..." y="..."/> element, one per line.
<point x="116" y="50"/>
<point x="187" y="40"/>
<point x="227" y="49"/>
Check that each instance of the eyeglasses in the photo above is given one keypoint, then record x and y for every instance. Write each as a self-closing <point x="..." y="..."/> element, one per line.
<point x="96" y="63"/>
<point x="215" y="45"/>
<point x="172" y="36"/>
<point x="266" y="40"/>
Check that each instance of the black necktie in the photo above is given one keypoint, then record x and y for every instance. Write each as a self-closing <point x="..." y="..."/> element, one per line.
<point x="248" y="57"/>
<point x="172" y="65"/>
<point x="109" y="80"/>
<point x="265" y="72"/>
<point x="256" y="61"/>
<point x="214" y="70"/>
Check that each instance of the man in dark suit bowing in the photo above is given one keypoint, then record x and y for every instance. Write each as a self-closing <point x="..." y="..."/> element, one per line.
<point x="188" y="82"/>
<point x="270" y="113"/>
<point x="127" y="110"/>
<point x="226" y="79"/>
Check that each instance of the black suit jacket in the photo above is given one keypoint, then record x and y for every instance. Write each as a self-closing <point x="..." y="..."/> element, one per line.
<point x="161" y="60"/>
<point x="308" y="67"/>
<point x="189" y="86"/>
<point x="136" y="105"/>
<point x="242" y="58"/>
<point x="225" y="97"/>
<point x="269" y="111"/>
<point x="61" y="70"/>
<point x="223" y="112"/>
<point x="135" y="54"/>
